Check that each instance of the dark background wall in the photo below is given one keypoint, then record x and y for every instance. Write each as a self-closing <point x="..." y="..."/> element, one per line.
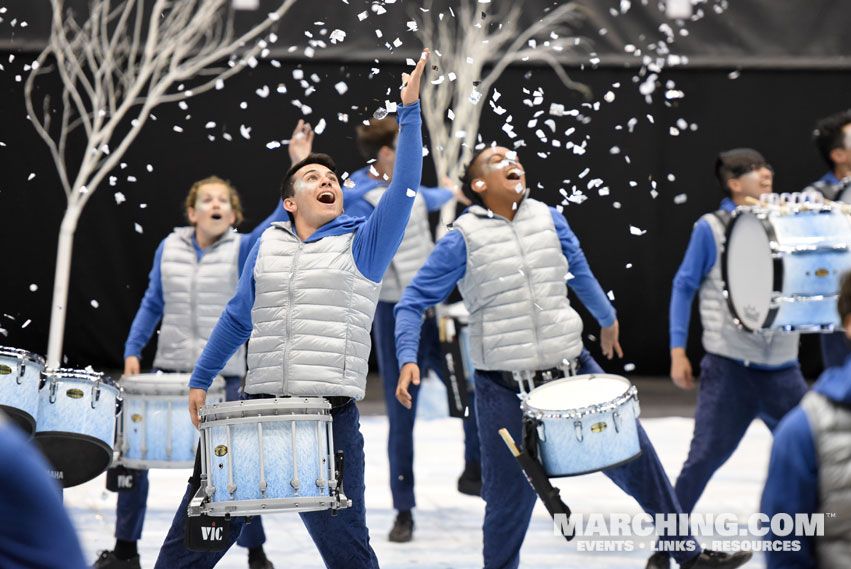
<point x="644" y="167"/>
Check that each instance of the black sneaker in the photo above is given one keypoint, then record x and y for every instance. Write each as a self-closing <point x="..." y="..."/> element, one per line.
<point x="718" y="560"/>
<point x="108" y="560"/>
<point x="403" y="528"/>
<point x="260" y="563"/>
<point x="470" y="481"/>
<point x="659" y="560"/>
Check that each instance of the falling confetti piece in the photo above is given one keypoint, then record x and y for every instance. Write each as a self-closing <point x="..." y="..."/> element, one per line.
<point x="611" y="295"/>
<point x="94" y="303"/>
<point x="636" y="231"/>
<point x="629" y="367"/>
<point x="245" y="131"/>
<point x="137" y="227"/>
<point x="25" y="324"/>
<point x="31" y="176"/>
<point x="341" y="87"/>
<point x="320" y="127"/>
<point x="33" y="287"/>
<point x="119" y="198"/>
<point x="411" y="193"/>
<point x="680" y="199"/>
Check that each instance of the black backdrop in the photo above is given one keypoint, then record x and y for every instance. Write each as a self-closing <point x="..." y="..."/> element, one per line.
<point x="773" y="110"/>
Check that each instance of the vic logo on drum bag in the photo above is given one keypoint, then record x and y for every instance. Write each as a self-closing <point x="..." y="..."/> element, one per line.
<point x="207" y="533"/>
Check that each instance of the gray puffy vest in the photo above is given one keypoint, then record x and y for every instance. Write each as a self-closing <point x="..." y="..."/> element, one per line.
<point x="195" y="294"/>
<point x="312" y="315"/>
<point x="514" y="288"/>
<point x="831" y="428"/>
<point x="413" y="251"/>
<point x="721" y="336"/>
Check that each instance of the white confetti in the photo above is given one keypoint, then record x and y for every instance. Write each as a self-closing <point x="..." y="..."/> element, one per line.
<point x="245" y="131"/>
<point x="33" y="287"/>
<point x="210" y="124"/>
<point x="273" y="145"/>
<point x="680" y="199"/>
<point x="629" y="367"/>
<point x="94" y="303"/>
<point x="137" y="227"/>
<point x="25" y="324"/>
<point x="320" y="127"/>
<point x="636" y="231"/>
<point x="177" y="128"/>
<point x="411" y="193"/>
<point x="341" y="87"/>
<point x="263" y="91"/>
<point x="611" y="295"/>
<point x="609" y="96"/>
<point x="337" y="36"/>
<point x="31" y="176"/>
<point x="362" y="16"/>
<point x="119" y="198"/>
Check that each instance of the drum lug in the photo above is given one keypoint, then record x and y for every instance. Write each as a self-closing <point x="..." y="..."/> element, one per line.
<point x="263" y="486"/>
<point x="52" y="397"/>
<point x="577" y="425"/>
<point x="231" y="490"/>
<point x="22" y="369"/>
<point x="542" y="434"/>
<point x="95" y="394"/>
<point x="616" y="420"/>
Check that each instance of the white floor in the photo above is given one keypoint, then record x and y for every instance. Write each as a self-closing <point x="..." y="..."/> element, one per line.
<point x="448" y="524"/>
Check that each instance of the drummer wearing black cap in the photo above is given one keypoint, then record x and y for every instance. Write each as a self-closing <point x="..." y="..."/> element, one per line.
<point x="743" y="375"/>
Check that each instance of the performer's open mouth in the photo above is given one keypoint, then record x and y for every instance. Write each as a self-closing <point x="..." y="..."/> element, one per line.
<point x="216" y="216"/>
<point x="514" y="174"/>
<point x="327" y="197"/>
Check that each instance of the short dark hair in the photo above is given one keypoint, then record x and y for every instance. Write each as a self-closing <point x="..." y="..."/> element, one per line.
<point x="470" y="175"/>
<point x="828" y="134"/>
<point x="843" y="303"/>
<point x="375" y="136"/>
<point x="288" y="185"/>
<point x="736" y="162"/>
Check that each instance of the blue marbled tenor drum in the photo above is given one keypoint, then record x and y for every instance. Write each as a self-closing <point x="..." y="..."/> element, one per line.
<point x="782" y="265"/>
<point x="76" y="423"/>
<point x="155" y="430"/>
<point x="20" y="376"/>
<point x="265" y="455"/>
<point x="585" y="423"/>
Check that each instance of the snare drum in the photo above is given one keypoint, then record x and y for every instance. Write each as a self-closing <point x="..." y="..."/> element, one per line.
<point x="585" y="423"/>
<point x="267" y="455"/>
<point x="20" y="376"/>
<point x="782" y="263"/>
<point x="76" y="423"/>
<point x="155" y="430"/>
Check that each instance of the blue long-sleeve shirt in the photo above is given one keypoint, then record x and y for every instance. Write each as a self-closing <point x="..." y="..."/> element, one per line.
<point x="36" y="531"/>
<point x="152" y="306"/>
<point x="355" y="204"/>
<point x="447" y="264"/>
<point x="792" y="484"/>
<point x="376" y="240"/>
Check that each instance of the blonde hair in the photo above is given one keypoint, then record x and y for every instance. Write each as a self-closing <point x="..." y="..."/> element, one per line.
<point x="235" y="203"/>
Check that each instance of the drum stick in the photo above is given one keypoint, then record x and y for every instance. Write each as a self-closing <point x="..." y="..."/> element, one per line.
<point x="509" y="441"/>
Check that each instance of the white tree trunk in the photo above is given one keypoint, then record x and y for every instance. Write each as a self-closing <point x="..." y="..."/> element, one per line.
<point x="60" y="283"/>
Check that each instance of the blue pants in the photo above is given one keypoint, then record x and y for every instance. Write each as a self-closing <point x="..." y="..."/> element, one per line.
<point x="729" y="398"/>
<point x="342" y="540"/>
<point x="132" y="504"/>
<point x="834" y="349"/>
<point x="400" y="441"/>
<point x="509" y="497"/>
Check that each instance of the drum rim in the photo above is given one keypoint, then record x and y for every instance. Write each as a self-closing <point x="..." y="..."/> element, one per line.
<point x="17" y="352"/>
<point x="132" y="383"/>
<point x="761" y="214"/>
<point x="631" y="392"/>
<point x="255" y="405"/>
<point x="80" y="375"/>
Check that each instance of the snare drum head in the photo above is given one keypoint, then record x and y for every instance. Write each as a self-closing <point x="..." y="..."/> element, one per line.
<point x="577" y="392"/>
<point x="749" y="270"/>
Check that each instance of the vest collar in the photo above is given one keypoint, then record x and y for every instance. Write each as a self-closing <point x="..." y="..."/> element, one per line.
<point x="186" y="234"/>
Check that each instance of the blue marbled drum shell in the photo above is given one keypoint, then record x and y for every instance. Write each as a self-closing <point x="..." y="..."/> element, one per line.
<point x="23" y="396"/>
<point x="75" y="414"/>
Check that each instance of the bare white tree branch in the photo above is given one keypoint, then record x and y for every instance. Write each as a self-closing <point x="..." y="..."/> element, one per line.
<point x="465" y="40"/>
<point x="115" y="67"/>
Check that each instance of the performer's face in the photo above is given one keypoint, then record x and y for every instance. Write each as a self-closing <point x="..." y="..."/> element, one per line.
<point x="317" y="198"/>
<point x="212" y="212"/>
<point x="753" y="184"/>
<point x="500" y="175"/>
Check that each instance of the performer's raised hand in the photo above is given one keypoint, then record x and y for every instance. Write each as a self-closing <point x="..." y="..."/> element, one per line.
<point x="410" y="373"/>
<point x="411" y="83"/>
<point x="301" y="142"/>
<point x="681" y="369"/>
<point x="609" y="341"/>
<point x="197" y="399"/>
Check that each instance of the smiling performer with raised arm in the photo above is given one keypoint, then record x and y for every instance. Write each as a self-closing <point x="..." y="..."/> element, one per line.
<point x="510" y="257"/>
<point x="309" y="333"/>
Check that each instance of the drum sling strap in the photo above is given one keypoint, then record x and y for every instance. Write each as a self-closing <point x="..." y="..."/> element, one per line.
<point x="205" y="533"/>
<point x="527" y="458"/>
<point x="724" y="217"/>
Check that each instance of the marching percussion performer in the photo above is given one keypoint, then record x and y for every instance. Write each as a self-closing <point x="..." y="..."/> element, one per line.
<point x="510" y="255"/>
<point x="377" y="143"/>
<point x="194" y="274"/>
<point x="832" y="137"/>
<point x="743" y="374"/>
<point x="306" y="299"/>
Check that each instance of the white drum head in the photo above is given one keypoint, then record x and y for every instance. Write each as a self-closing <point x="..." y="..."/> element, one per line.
<point x="176" y="384"/>
<point x="750" y="270"/>
<point x="577" y="392"/>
